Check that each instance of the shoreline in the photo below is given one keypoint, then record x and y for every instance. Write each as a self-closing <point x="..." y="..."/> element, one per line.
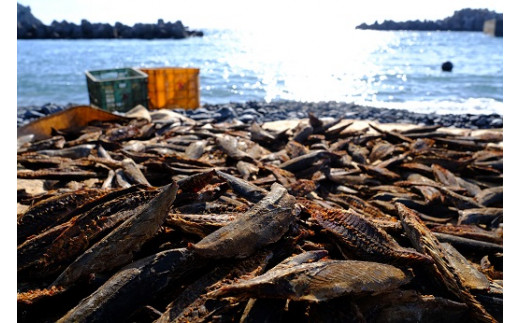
<point x="260" y="112"/>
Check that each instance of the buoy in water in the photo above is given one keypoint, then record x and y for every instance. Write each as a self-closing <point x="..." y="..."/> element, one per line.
<point x="447" y="66"/>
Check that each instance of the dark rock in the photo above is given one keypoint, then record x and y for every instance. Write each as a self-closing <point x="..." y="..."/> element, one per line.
<point x="180" y="110"/>
<point x="31" y="114"/>
<point x="247" y="118"/>
<point x="461" y="20"/>
<point x="225" y="113"/>
<point x="252" y="111"/>
<point x="203" y="116"/>
<point x="481" y="121"/>
<point x="49" y="108"/>
<point x="198" y="111"/>
<point x="496" y="123"/>
<point x="29" y="27"/>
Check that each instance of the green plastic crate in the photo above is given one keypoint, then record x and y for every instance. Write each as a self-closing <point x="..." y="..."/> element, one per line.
<point x="118" y="89"/>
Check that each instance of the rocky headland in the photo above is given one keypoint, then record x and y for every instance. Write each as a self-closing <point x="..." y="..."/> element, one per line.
<point x="29" y="27"/>
<point x="461" y="20"/>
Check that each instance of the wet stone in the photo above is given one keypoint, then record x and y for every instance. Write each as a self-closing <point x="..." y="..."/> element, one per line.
<point x="247" y="118"/>
<point x="496" y="123"/>
<point x="202" y="116"/>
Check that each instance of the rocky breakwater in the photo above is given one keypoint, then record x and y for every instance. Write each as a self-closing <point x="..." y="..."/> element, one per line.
<point x="462" y="20"/>
<point x="29" y="27"/>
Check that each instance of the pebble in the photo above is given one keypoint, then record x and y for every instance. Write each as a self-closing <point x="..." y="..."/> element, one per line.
<point x="202" y="116"/>
<point x="496" y="123"/>
<point x="247" y="118"/>
<point x="226" y="112"/>
<point x="255" y="111"/>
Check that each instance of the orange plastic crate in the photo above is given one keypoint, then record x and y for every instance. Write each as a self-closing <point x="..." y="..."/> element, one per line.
<point x="172" y="87"/>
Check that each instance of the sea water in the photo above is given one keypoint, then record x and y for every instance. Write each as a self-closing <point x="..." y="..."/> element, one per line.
<point x="375" y="68"/>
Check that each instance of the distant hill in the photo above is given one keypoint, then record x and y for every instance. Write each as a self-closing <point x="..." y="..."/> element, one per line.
<point x="462" y="20"/>
<point x="29" y="27"/>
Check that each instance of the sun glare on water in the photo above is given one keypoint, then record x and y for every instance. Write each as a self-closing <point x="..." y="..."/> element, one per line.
<point x="311" y="63"/>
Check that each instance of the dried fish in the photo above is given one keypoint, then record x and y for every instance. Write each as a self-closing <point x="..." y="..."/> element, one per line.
<point x="71" y="152"/>
<point x="247" y="169"/>
<point x="329" y="207"/>
<point x="195" y="149"/>
<point x="410" y="306"/>
<point x="302" y="132"/>
<point x="200" y="224"/>
<point x="53" y="143"/>
<point x="133" y="285"/>
<point x="121" y="179"/>
<point x="302" y="162"/>
<point x="425" y="241"/>
<point x="491" y="196"/>
<point x="381" y="150"/>
<point x="363" y="207"/>
<point x="108" y="181"/>
<point x="487" y="216"/>
<point x="319" y="281"/>
<point x="47" y="251"/>
<point x="449" y="179"/>
<point x="117" y="247"/>
<point x="295" y="149"/>
<point x="468" y="231"/>
<point x="52" y="211"/>
<point x="471" y="245"/>
<point x="471" y="277"/>
<point x="133" y="173"/>
<point x="392" y="135"/>
<point x="58" y="174"/>
<point x="361" y="237"/>
<point x="229" y="145"/>
<point x="193" y="304"/>
<point x="264" y="224"/>
<point x="247" y="190"/>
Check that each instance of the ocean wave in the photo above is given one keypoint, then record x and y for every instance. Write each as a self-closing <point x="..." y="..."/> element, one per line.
<point x="470" y="106"/>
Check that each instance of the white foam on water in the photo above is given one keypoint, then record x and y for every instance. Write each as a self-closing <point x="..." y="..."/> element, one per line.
<point x="470" y="106"/>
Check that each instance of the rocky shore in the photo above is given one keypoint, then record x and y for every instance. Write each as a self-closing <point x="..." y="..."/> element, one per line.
<point x="29" y="27"/>
<point x="260" y="112"/>
<point x="461" y="20"/>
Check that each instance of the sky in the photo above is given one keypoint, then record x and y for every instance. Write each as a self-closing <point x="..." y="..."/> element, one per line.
<point x="270" y="14"/>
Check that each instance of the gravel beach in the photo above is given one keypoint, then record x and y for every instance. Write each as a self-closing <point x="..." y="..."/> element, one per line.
<point x="261" y="112"/>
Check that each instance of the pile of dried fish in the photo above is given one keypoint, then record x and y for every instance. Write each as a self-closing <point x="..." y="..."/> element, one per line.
<point x="162" y="219"/>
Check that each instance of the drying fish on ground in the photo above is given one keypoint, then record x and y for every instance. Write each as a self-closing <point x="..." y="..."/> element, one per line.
<point x="157" y="217"/>
<point x="319" y="281"/>
<point x="118" y="246"/>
